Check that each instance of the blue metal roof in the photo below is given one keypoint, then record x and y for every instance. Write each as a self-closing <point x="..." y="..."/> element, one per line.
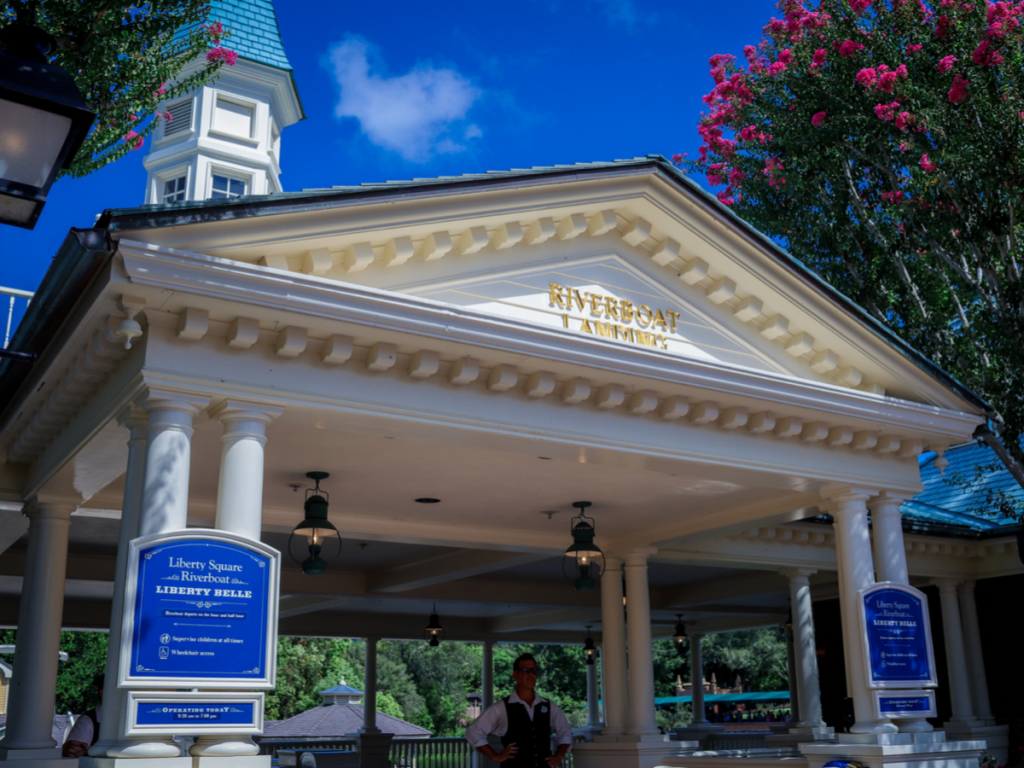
<point x="255" y="34"/>
<point x="961" y="494"/>
<point x="711" y="698"/>
<point x="342" y="690"/>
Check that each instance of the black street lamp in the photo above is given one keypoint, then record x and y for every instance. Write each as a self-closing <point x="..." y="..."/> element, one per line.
<point x="679" y="636"/>
<point x="43" y="122"/>
<point x="590" y="649"/>
<point x="316" y="528"/>
<point x="434" y="632"/>
<point x="584" y="560"/>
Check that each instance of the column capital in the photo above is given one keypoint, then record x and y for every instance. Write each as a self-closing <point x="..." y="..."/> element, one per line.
<point x="846" y="498"/>
<point x="798" y="573"/>
<point x="967" y="585"/>
<point x="639" y="556"/>
<point x="888" y="502"/>
<point x="46" y="508"/>
<point x="235" y="410"/>
<point x="161" y="399"/>
<point x="947" y="585"/>
<point x="133" y="418"/>
<point x="612" y="562"/>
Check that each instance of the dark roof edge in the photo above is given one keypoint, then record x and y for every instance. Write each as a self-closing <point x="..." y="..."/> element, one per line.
<point x="194" y="214"/>
<point x="80" y="258"/>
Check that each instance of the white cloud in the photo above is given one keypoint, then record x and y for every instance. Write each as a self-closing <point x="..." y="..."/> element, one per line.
<point x="625" y="14"/>
<point x="415" y="114"/>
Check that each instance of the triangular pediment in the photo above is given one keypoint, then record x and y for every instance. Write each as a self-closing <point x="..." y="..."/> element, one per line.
<point x="607" y="297"/>
<point x="632" y="231"/>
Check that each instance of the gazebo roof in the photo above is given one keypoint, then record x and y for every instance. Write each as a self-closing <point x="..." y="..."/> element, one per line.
<point x="335" y="720"/>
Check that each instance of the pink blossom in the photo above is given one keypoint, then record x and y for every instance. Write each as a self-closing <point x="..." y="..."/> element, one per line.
<point x="168" y="117"/>
<point x="225" y="55"/>
<point x="867" y="77"/>
<point x="721" y="59"/>
<point x="160" y="91"/>
<point x="903" y="120"/>
<point x="893" y="197"/>
<point x="819" y="57"/>
<point x="927" y="164"/>
<point x="904" y="146"/>
<point x="848" y="48"/>
<point x="677" y="159"/>
<point x="725" y="198"/>
<point x="946" y="63"/>
<point x="776" y="69"/>
<point x="960" y="89"/>
<point x="986" y="56"/>
<point x="886" y="111"/>
<point x="942" y="27"/>
<point x="736" y="177"/>
<point x="887" y="82"/>
<point x="859" y="6"/>
<point x="215" y="30"/>
<point x="133" y="140"/>
<point x="913" y="48"/>
<point x="818" y="119"/>
<point x="772" y="169"/>
<point x="786" y="56"/>
<point x="715" y="180"/>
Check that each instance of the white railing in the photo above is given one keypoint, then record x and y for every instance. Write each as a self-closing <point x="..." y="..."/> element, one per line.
<point x="431" y="753"/>
<point x="12" y="294"/>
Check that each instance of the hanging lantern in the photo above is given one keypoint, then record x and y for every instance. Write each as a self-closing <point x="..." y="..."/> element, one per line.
<point x="789" y="620"/>
<point x="316" y="528"/>
<point x="679" y="636"/>
<point x="434" y="632"/>
<point x="590" y="649"/>
<point x="584" y="560"/>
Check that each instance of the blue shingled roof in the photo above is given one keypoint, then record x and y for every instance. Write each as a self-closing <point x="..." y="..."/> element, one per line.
<point x="958" y="495"/>
<point x="255" y="34"/>
<point x="342" y="690"/>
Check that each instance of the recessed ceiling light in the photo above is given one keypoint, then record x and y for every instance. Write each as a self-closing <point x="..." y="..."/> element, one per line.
<point x="427" y="501"/>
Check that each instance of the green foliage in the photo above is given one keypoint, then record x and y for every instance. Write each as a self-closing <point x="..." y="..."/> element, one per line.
<point x="87" y="657"/>
<point x="881" y="142"/>
<point x="306" y="666"/>
<point x="758" y="655"/>
<point x="126" y="58"/>
<point x="387" y="704"/>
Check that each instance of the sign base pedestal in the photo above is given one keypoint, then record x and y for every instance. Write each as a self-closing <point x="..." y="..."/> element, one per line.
<point x="135" y="762"/>
<point x="801" y="734"/>
<point x="997" y="737"/>
<point x="240" y="761"/>
<point x="34" y="758"/>
<point x="623" y="754"/>
<point x="896" y="750"/>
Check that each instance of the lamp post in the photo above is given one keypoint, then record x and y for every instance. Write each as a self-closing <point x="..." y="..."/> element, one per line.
<point x="316" y="528"/>
<point x="584" y="560"/>
<point x="43" y="122"/>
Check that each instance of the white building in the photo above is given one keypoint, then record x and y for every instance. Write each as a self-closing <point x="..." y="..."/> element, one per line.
<point x="506" y="344"/>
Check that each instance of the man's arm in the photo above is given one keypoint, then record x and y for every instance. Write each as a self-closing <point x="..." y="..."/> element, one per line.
<point x="563" y="735"/>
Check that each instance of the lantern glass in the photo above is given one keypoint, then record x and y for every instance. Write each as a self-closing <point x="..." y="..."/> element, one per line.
<point x="590" y="649"/>
<point x="434" y="632"/>
<point x="316" y="529"/>
<point x="584" y="561"/>
<point x="679" y="636"/>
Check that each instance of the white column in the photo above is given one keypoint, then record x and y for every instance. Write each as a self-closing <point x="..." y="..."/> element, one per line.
<point x="975" y="659"/>
<point x="240" y="490"/>
<point x="240" y="511"/>
<point x="33" y="687"/>
<point x="114" y="699"/>
<point x="163" y="508"/>
<point x="953" y="632"/>
<point x="696" y="680"/>
<point x="794" y="688"/>
<point x="853" y="553"/>
<point x="641" y="657"/>
<point x="593" y="694"/>
<point x="890" y="551"/>
<point x="487" y="675"/>
<point x="168" y="453"/>
<point x="891" y="565"/>
<point x="805" y="652"/>
<point x="613" y="633"/>
<point x="370" y="688"/>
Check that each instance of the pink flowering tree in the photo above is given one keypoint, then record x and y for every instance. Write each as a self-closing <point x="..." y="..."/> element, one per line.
<point x="126" y="59"/>
<point x="881" y="141"/>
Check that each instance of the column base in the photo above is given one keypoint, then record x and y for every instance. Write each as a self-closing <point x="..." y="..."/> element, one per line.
<point x="34" y="758"/>
<point x="896" y="750"/>
<point x="374" y="749"/>
<point x="135" y="762"/>
<point x="996" y="738"/>
<point x="224" y="746"/>
<point x="801" y="734"/>
<point x="622" y="754"/>
<point x="240" y="761"/>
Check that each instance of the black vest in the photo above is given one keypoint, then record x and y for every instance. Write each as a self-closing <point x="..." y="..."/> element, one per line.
<point x="533" y="738"/>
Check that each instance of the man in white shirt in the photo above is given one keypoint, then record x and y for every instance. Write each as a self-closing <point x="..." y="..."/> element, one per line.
<point x="86" y="730"/>
<point x="524" y="722"/>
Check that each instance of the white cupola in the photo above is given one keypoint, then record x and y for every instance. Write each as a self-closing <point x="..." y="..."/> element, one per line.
<point x="224" y="139"/>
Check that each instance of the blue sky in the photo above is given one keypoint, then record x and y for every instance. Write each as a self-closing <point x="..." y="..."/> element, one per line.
<point x="403" y="89"/>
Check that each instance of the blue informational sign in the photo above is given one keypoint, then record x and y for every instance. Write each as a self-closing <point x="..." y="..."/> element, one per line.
<point x="898" y="632"/>
<point x="201" y="609"/>
<point x="905" y="704"/>
<point x="196" y="713"/>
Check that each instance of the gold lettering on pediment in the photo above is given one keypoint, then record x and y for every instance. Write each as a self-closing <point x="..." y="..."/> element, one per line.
<point x="599" y="305"/>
